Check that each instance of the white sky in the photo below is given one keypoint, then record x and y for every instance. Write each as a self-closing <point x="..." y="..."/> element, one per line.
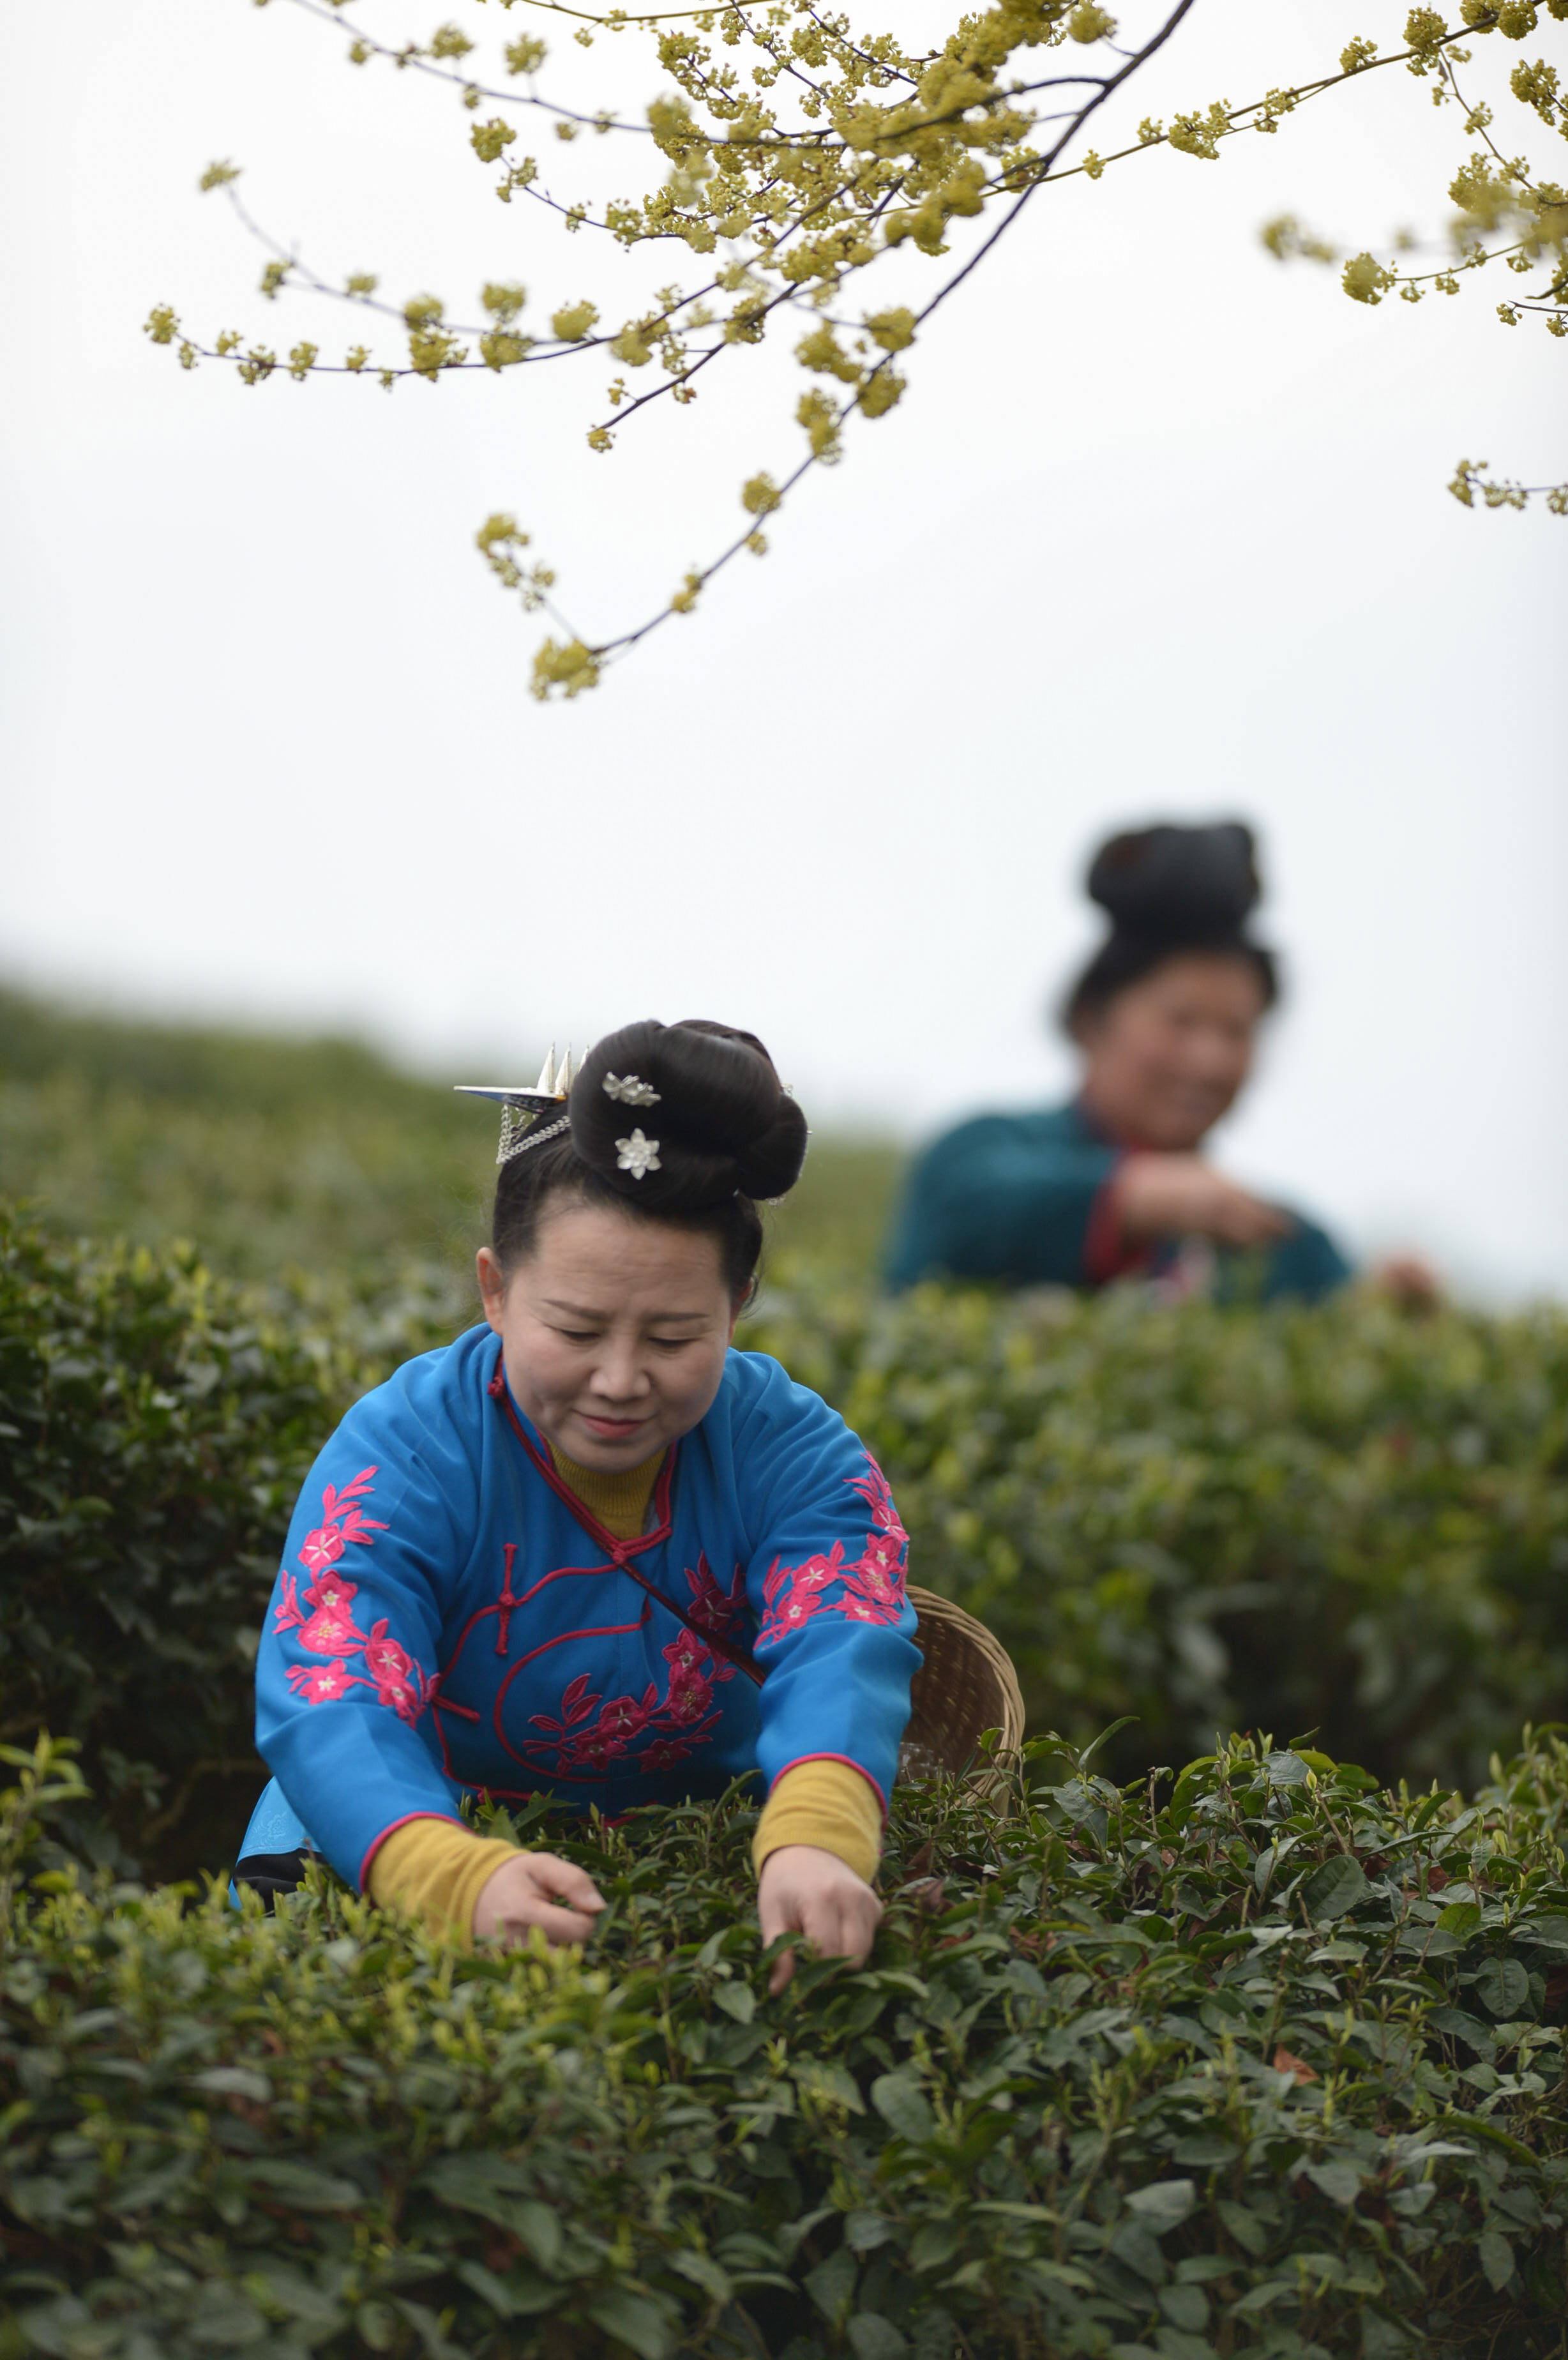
<point x="1158" y="530"/>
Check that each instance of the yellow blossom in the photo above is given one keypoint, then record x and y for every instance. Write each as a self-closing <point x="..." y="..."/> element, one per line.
<point x="487" y="139"/>
<point x="880" y="393"/>
<point x="894" y="331"/>
<point x="574" y="322"/>
<point x="1364" y="279"/>
<point x="570" y="668"/>
<point x="817" y="414"/>
<point x="798" y="154"/>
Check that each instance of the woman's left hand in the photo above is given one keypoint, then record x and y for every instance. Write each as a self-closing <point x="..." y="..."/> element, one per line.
<point x="804" y="1890"/>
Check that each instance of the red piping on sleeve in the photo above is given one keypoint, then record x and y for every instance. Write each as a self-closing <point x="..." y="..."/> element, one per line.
<point x="802" y="1758"/>
<point x="406" y="1821"/>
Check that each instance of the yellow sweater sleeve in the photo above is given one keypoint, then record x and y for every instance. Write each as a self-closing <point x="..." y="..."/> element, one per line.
<point x="826" y="1804"/>
<point x="436" y="1871"/>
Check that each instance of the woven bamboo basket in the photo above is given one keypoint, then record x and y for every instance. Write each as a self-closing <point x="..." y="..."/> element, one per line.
<point x="966" y="1685"/>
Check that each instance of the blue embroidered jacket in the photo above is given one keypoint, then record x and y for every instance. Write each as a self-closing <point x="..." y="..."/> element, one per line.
<point x="448" y="1616"/>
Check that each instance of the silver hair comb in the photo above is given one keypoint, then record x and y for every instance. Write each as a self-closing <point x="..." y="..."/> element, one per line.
<point x="523" y="1109"/>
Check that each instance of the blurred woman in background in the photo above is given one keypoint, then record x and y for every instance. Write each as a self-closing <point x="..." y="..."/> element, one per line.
<point x="1166" y="1017"/>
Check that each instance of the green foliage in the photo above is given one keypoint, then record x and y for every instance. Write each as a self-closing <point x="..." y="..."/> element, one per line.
<point x="1347" y="1519"/>
<point x="309" y="1156"/>
<point x="273" y="1154"/>
<point x="1344" y="1519"/>
<point x="1259" y="2059"/>
<point x="1265" y="2062"/>
<point x="155" y="1434"/>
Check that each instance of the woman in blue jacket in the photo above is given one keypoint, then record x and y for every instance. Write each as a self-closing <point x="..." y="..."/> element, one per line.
<point x="1113" y="1184"/>
<point x="589" y="1550"/>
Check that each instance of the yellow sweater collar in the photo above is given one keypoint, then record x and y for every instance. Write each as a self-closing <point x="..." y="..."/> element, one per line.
<point x="619" y="1500"/>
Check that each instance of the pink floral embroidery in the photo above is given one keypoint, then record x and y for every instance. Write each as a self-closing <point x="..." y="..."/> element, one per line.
<point x="713" y="1609"/>
<point x="342" y="1521"/>
<point x="396" y="1677"/>
<point x="592" y="1734"/>
<point x="872" y="1587"/>
<point x="576" y="1704"/>
<point x="322" y="1683"/>
<point x="387" y="1663"/>
<point x="627" y="1717"/>
<point x="329" y="1629"/>
<point x="662" y="1754"/>
<point x="873" y="1488"/>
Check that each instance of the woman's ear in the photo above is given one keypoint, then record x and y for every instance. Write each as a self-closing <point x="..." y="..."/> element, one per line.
<point x="491" y="1284"/>
<point x="741" y="1303"/>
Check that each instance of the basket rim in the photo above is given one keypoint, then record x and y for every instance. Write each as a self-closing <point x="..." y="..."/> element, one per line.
<point x="933" y="1608"/>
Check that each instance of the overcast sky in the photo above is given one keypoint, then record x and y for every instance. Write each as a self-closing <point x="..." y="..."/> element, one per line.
<point x="1159" y="529"/>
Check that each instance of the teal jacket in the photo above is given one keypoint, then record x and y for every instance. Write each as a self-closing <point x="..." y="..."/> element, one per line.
<point x="1014" y="1198"/>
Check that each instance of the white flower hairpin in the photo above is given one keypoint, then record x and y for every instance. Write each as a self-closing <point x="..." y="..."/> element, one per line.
<point x="637" y="1155"/>
<point x="630" y="1089"/>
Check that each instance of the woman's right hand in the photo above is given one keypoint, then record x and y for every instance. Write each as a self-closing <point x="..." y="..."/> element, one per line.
<point x="525" y="1892"/>
<point x="1161" y="1195"/>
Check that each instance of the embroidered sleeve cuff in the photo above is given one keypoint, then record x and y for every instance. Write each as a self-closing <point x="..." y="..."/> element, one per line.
<point x="826" y="1804"/>
<point x="435" y="1870"/>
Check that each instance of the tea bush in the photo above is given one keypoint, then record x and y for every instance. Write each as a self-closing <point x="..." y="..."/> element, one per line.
<point x="1257" y="2062"/>
<point x="1341" y="1519"/>
<point x="1347" y="1519"/>
<point x="153" y="1435"/>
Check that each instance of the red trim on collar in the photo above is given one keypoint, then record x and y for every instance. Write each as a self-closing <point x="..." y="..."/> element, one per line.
<point x="617" y="1551"/>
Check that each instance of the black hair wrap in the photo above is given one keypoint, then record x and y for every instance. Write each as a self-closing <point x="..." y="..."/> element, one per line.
<point x="1178" y="884"/>
<point x="1166" y="890"/>
<point x="723" y="1123"/>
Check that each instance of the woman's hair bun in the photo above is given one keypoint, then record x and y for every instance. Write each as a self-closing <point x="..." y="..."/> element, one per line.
<point x="1178" y="884"/>
<point x="709" y="1105"/>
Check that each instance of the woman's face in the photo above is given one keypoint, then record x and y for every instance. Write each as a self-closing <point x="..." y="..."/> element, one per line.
<point x="613" y="1330"/>
<point x="1167" y="1056"/>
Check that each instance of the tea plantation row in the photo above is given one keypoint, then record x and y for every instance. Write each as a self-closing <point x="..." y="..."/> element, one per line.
<point x="1264" y="2062"/>
<point x="1344" y="1519"/>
